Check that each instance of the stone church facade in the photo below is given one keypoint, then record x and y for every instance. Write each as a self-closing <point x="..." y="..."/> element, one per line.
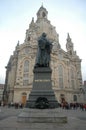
<point x="66" y="65"/>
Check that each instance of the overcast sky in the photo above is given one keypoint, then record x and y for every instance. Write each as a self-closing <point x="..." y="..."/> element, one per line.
<point x="65" y="15"/>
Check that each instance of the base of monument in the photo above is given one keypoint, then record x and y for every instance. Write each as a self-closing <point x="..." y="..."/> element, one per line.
<point x="42" y="92"/>
<point x="41" y="116"/>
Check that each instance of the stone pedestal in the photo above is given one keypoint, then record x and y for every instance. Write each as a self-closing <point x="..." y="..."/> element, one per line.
<point x="42" y="88"/>
<point x="41" y="116"/>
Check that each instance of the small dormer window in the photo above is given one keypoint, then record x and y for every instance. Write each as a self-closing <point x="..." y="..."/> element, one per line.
<point x="43" y="14"/>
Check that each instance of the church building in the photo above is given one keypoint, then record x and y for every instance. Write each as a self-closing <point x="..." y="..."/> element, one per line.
<point x="65" y="65"/>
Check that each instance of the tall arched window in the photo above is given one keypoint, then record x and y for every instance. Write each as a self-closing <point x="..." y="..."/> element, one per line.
<point x="75" y="98"/>
<point x="60" y="74"/>
<point x="72" y="77"/>
<point x="26" y="66"/>
<point x="26" y="73"/>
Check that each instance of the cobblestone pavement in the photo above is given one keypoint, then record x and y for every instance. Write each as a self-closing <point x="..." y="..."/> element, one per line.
<point x="8" y="121"/>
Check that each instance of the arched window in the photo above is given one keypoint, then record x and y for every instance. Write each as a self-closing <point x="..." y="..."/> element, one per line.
<point x="43" y="14"/>
<point x="72" y="78"/>
<point x="28" y="38"/>
<point x="75" y="98"/>
<point x="26" y="66"/>
<point x="60" y="74"/>
<point x="26" y="73"/>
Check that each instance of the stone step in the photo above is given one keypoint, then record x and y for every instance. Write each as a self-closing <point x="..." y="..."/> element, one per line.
<point x="41" y="116"/>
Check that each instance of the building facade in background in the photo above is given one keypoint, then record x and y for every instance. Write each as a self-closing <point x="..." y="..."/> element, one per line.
<point x="1" y="92"/>
<point x="66" y="65"/>
<point x="84" y="91"/>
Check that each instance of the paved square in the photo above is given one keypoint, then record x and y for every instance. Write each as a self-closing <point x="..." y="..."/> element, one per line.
<point x="8" y="121"/>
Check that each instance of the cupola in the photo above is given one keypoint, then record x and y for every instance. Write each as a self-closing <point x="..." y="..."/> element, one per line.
<point x="42" y="13"/>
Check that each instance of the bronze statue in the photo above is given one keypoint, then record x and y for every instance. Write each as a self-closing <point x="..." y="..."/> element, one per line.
<point x="44" y="50"/>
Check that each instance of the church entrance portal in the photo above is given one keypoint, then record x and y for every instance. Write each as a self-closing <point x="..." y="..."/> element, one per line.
<point x="62" y="98"/>
<point x="24" y="97"/>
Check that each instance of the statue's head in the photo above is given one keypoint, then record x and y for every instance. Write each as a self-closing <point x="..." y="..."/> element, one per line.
<point x="44" y="34"/>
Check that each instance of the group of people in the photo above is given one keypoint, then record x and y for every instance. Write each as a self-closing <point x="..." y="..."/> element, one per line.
<point x="66" y="105"/>
<point x="11" y="104"/>
<point x="16" y="105"/>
